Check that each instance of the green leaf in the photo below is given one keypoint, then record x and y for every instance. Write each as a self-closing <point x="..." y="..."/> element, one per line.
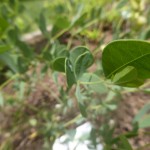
<point x="14" y="34"/>
<point x="22" y="64"/>
<point x="42" y="24"/>
<point x="3" y="25"/>
<point x="79" y="18"/>
<point x="127" y="77"/>
<point x="8" y="60"/>
<point x="58" y="50"/>
<point x="76" y="52"/>
<point x="62" y="53"/>
<point x="69" y="73"/>
<point x="1" y="99"/>
<point x="4" y="48"/>
<point x="80" y="101"/>
<point x="82" y="109"/>
<point x="119" y="54"/>
<point x="142" y="112"/>
<point x="143" y="118"/>
<point x="93" y="82"/>
<point x="61" y="23"/>
<point x="145" y="122"/>
<point x="93" y="137"/>
<point x="26" y="49"/>
<point x="82" y="63"/>
<point x="59" y="64"/>
<point x="127" y="74"/>
<point x="125" y="143"/>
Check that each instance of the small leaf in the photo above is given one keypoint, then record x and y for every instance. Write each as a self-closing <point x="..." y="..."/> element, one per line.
<point x="93" y="82"/>
<point x="59" y="64"/>
<point x="143" y="117"/>
<point x="125" y="143"/>
<point x="22" y="64"/>
<point x="82" y="63"/>
<point x="61" y="23"/>
<point x="93" y="137"/>
<point x="14" y="34"/>
<point x="142" y="112"/>
<point x="4" y="48"/>
<point x="69" y="73"/>
<point x="145" y="122"/>
<point x="80" y="101"/>
<point x="8" y="60"/>
<point x="1" y="99"/>
<point x="82" y="109"/>
<point x="76" y="52"/>
<point x="42" y="24"/>
<point x="3" y="25"/>
<point x="26" y="49"/>
<point x="79" y="18"/>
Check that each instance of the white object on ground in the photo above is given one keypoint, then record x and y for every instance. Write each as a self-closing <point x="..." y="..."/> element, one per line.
<point x="78" y="142"/>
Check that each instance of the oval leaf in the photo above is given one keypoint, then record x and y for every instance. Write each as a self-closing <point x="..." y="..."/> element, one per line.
<point x="122" y="53"/>
<point x="82" y="63"/>
<point x="59" y="64"/>
<point x="4" y="48"/>
<point x="94" y="82"/>
<point x="69" y="73"/>
<point x="76" y="52"/>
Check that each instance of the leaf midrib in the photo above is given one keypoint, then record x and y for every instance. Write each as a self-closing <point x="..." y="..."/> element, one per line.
<point x="126" y="64"/>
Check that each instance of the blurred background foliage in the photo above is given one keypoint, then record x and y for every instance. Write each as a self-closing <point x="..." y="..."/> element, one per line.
<point x="34" y="97"/>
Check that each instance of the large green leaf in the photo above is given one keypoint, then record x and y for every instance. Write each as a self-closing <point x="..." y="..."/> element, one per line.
<point x="119" y="54"/>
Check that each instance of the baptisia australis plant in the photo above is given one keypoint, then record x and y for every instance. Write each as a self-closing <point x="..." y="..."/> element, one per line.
<point x="125" y="63"/>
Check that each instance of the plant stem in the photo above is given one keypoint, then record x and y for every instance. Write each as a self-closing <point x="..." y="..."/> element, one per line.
<point x="8" y="81"/>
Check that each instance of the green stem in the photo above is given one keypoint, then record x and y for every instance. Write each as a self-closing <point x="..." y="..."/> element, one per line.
<point x="73" y="120"/>
<point x="91" y="83"/>
<point x="8" y="81"/>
